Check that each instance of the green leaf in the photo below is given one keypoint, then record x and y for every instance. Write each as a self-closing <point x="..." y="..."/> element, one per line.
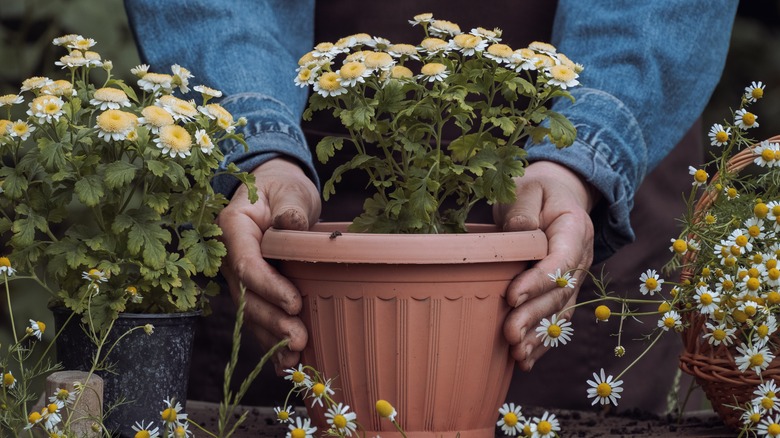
<point x="185" y="297"/>
<point x="119" y="174"/>
<point x="14" y="184"/>
<point x="24" y="228"/>
<point x="151" y="238"/>
<point x="327" y="147"/>
<point x="52" y="154"/>
<point x="359" y="117"/>
<point x="158" y="168"/>
<point x="89" y="190"/>
<point x="562" y="131"/>
<point x="157" y="202"/>
<point x="205" y="254"/>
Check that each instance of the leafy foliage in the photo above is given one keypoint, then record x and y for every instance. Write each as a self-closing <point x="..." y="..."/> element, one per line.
<point x="491" y="97"/>
<point x="133" y="168"/>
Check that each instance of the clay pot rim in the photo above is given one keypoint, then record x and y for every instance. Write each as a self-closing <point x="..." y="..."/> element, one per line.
<point x="483" y="244"/>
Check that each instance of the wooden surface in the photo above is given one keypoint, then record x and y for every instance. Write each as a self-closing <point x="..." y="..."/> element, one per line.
<point x="261" y="423"/>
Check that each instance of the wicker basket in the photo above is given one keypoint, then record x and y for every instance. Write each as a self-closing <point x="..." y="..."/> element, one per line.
<point x="714" y="368"/>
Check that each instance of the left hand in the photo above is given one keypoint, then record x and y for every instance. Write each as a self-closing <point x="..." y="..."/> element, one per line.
<point x="558" y="201"/>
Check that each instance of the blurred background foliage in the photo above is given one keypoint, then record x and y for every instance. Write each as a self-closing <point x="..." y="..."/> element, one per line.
<point x="27" y="28"/>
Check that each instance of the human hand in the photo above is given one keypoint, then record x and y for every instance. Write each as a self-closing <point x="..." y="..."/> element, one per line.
<point x="287" y="199"/>
<point x="556" y="200"/>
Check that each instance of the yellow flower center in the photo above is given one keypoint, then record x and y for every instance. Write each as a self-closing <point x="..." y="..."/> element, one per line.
<point x="500" y="50"/>
<point x="283" y="415"/>
<point x="767" y="403"/>
<point x="433" y="69"/>
<point x="755" y="417"/>
<point x="52" y="408"/>
<point x="700" y="176"/>
<point x="773" y="297"/>
<point x="679" y="246"/>
<point x="379" y="60"/>
<point x="5" y="262"/>
<point x="94" y="274"/>
<point x="329" y="81"/>
<point x="721" y="136"/>
<point x="142" y="434"/>
<point x="719" y="334"/>
<point x="352" y="70"/>
<point x="757" y="93"/>
<point x="527" y="430"/>
<point x="400" y="72"/>
<point x="706" y="299"/>
<point x="115" y="121"/>
<point x="304" y="75"/>
<point x="561" y="282"/>
<point x="762" y="331"/>
<point x="771" y="263"/>
<point x="565" y="73"/>
<point x="651" y="283"/>
<point x="760" y="210"/>
<point x="510" y="419"/>
<point x="741" y="240"/>
<point x="705" y="271"/>
<point x="63" y="394"/>
<point x="446" y="26"/>
<point x="756" y="360"/>
<point x="768" y="155"/>
<point x="736" y="250"/>
<point x="773" y="429"/>
<point x="156" y="116"/>
<point x="433" y="44"/>
<point x="34" y="417"/>
<point x="41" y="326"/>
<point x="298" y="377"/>
<point x="602" y="313"/>
<point x="298" y="433"/>
<point x="748" y="118"/>
<point x="750" y="310"/>
<point x="467" y="40"/>
<point x="544" y="427"/>
<point x="111" y="95"/>
<point x="8" y="379"/>
<point x="727" y="285"/>
<point x="176" y="138"/>
<point x="669" y="322"/>
<point x="384" y="408"/>
<point x="604" y="389"/>
<point x="340" y="421"/>
<point x="753" y="284"/>
<point x="554" y="330"/>
<point x="664" y="307"/>
<point x="318" y="389"/>
<point x="731" y="192"/>
<point x="168" y="415"/>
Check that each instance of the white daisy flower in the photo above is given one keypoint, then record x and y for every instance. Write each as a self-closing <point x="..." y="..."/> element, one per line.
<point x="766" y="154"/>
<point x="319" y="391"/>
<point x="563" y="280"/>
<point x="753" y="357"/>
<point x="492" y="36"/>
<point x="766" y="396"/>
<point x="545" y="427"/>
<point x="340" y="419"/>
<point x="328" y="50"/>
<point x="707" y="300"/>
<point x="72" y="60"/>
<point x="140" y="70"/>
<point x="651" y="282"/>
<point x="554" y="330"/>
<point x="510" y="419"/>
<point x="181" y="77"/>
<point x="9" y="381"/>
<point x="353" y="73"/>
<point x="175" y="141"/>
<point x="769" y="426"/>
<point x="421" y="18"/>
<point x="94" y="276"/>
<point x="443" y="28"/>
<point x="66" y="39"/>
<point x="603" y="389"/>
<point x="754" y="91"/>
<point x="115" y="125"/>
<point x="434" y="46"/>
<point x="154" y="82"/>
<point x="720" y="334"/>
<point x="81" y="43"/>
<point x="502" y="54"/>
<point x="109" y="98"/>
<point x="670" y="320"/>
<point x="64" y="396"/>
<point x="37" y="328"/>
<point x="764" y="331"/>
<point x="142" y="430"/>
<point x="745" y="119"/>
<point x="301" y="429"/>
<point x="204" y="141"/>
<point x="10" y="99"/>
<point x="46" y="108"/>
<point x="284" y="415"/>
<point x="207" y="91"/>
<point x="180" y="109"/>
<point x="329" y="84"/>
<point x="51" y="415"/>
<point x="719" y="136"/>
<point x="679" y="246"/>
<point x="434" y="71"/>
<point x="752" y="415"/>
<point x="562" y="76"/>
<point x="298" y="377"/>
<point x="755" y="228"/>
<point x="172" y="414"/>
<point x="468" y="44"/>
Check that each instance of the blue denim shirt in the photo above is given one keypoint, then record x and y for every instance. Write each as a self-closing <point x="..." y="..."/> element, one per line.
<point x="650" y="68"/>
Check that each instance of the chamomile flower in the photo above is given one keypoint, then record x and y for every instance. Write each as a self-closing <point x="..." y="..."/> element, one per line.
<point x="46" y="108"/>
<point x="81" y="43"/>
<point x="700" y="176"/>
<point x="329" y="84"/>
<point x="754" y="91"/>
<point x="679" y="246"/>
<point x="707" y="300"/>
<point x="753" y="357"/>
<point x="34" y="418"/>
<point x="207" y="91"/>
<point x="94" y="276"/>
<point x="109" y="98"/>
<point x="284" y="415"/>
<point x="140" y="70"/>
<point x="59" y="88"/>
<point x="204" y="141"/>
<point x="145" y="431"/>
<point x="468" y="44"/>
<point x="769" y="426"/>
<point x="401" y="72"/>
<point x="172" y="414"/>
<point x="320" y="391"/>
<point x="752" y="415"/>
<point x="766" y="396"/>
<point x="175" y="141"/>
<point x="719" y="136"/>
<point x="180" y="109"/>
<point x="650" y="282"/>
<point x="554" y="330"/>
<point x="326" y="50"/>
<point x="378" y="61"/>
<point x="434" y="46"/>
<point x="763" y="332"/>
<point x="65" y="39"/>
<point x="511" y="419"/>
<point x="563" y="280"/>
<point x="37" y="328"/>
<point x="563" y="76"/>
<point x="72" y="60"/>
<point x="421" y="18"/>
<point x="223" y="117"/>
<point x="155" y="117"/>
<point x="298" y="377"/>
<point x="540" y="46"/>
<point x="305" y="77"/>
<point x="434" y="71"/>
<point x="10" y="99"/>
<point x="63" y="395"/>
<point x="492" y="36"/>
<point x="755" y="228"/>
<point x="35" y="83"/>
<point x="545" y="427"/>
<point x="670" y="320"/>
<point x="443" y="28"/>
<point x="51" y="415"/>
<point x="353" y="73"/>
<point x="115" y="125"/>
<point x="340" y="419"/>
<point x="720" y="334"/>
<point x="9" y="381"/>
<point x="501" y="53"/>
<point x="181" y="77"/>
<point x="20" y="129"/>
<point x="403" y="51"/>
<point x="766" y="154"/>
<point x="155" y="82"/>
<point x="385" y="410"/>
<point x="745" y="119"/>
<point x="301" y="429"/>
<point x="604" y="389"/>
<point x="731" y="193"/>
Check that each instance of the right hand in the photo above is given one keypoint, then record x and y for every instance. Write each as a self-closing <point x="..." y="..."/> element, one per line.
<point x="287" y="199"/>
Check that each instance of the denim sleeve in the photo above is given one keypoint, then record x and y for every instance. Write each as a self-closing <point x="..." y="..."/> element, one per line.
<point x="249" y="50"/>
<point x="650" y="69"/>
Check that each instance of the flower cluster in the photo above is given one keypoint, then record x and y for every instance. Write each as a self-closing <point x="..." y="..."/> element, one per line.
<point x="512" y="423"/>
<point x="134" y="165"/>
<point x="49" y="418"/>
<point x="397" y="100"/>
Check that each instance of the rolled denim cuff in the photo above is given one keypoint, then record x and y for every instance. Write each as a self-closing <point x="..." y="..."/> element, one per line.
<point x="610" y="154"/>
<point x="271" y="131"/>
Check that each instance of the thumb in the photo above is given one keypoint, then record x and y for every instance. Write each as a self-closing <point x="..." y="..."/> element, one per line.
<point x="294" y="207"/>
<point x="524" y="213"/>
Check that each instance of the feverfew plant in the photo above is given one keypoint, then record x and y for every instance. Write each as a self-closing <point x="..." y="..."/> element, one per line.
<point x="399" y="101"/>
<point x="106" y="188"/>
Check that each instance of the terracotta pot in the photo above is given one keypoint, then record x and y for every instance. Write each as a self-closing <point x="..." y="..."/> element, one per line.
<point x="416" y="320"/>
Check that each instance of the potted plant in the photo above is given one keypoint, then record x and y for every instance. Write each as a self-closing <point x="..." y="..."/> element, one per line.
<point x="407" y="302"/>
<point x="107" y="204"/>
